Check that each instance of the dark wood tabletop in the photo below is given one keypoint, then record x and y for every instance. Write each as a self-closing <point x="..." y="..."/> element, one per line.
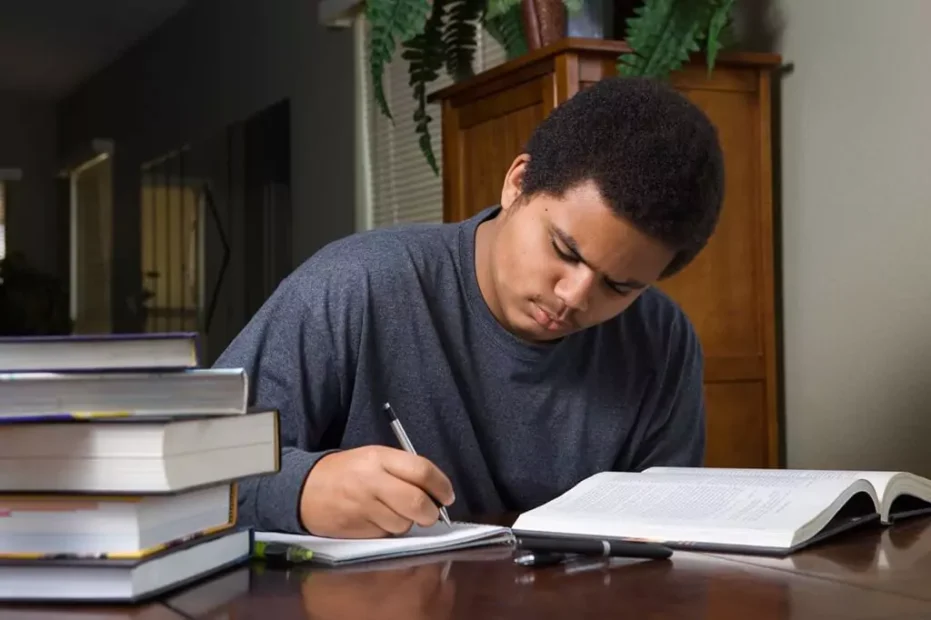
<point x="869" y="574"/>
<point x="893" y="559"/>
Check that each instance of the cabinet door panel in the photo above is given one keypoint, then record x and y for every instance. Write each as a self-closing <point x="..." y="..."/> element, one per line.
<point x="478" y="151"/>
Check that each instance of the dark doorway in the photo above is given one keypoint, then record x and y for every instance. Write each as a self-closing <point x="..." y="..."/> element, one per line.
<point x="267" y="175"/>
<point x="215" y="223"/>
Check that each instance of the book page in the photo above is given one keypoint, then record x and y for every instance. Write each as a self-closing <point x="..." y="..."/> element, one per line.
<point x="746" y="501"/>
<point x="879" y="479"/>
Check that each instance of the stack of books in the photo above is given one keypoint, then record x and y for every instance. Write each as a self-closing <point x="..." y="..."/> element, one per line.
<point x="119" y="461"/>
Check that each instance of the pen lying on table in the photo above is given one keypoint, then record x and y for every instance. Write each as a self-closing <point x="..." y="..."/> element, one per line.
<point x="606" y="547"/>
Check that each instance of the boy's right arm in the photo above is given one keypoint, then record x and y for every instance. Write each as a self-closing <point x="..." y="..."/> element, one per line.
<point x="299" y="353"/>
<point x="292" y="366"/>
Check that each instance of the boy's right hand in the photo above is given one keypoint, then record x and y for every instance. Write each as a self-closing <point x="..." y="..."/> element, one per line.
<point x="372" y="492"/>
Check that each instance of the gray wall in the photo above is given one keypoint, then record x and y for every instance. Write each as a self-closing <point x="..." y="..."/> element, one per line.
<point x="218" y="62"/>
<point x="27" y="142"/>
<point x="856" y="220"/>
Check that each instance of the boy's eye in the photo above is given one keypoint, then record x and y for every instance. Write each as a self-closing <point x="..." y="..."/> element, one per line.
<point x="564" y="254"/>
<point x="620" y="290"/>
<point x="570" y="257"/>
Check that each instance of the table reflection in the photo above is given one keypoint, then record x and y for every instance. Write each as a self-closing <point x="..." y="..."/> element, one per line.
<point x="415" y="593"/>
<point x="905" y="546"/>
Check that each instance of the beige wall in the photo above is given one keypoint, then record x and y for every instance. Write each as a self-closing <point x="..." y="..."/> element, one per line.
<point x="856" y="182"/>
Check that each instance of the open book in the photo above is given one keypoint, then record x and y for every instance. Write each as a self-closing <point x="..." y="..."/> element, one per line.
<point x="759" y="511"/>
<point x="418" y="540"/>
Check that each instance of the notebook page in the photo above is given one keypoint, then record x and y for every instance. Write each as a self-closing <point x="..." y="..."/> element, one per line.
<point x="417" y="540"/>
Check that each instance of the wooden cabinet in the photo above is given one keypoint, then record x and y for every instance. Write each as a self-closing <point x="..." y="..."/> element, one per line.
<point x="728" y="291"/>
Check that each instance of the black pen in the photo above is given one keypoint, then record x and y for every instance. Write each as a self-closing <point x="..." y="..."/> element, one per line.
<point x="607" y="547"/>
<point x="405" y="442"/>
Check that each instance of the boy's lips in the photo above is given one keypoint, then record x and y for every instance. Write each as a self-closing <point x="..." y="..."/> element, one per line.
<point x="548" y="319"/>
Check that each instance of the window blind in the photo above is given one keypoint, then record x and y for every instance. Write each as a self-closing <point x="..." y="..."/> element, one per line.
<point x="400" y="185"/>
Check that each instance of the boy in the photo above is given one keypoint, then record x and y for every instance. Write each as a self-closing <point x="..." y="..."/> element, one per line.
<point x="523" y="349"/>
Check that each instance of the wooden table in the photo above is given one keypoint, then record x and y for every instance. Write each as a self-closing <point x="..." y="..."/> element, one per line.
<point x="867" y="574"/>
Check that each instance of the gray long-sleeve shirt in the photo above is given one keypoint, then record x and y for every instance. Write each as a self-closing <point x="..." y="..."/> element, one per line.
<point x="396" y="315"/>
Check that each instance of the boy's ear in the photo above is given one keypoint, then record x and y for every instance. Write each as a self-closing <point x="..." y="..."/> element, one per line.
<point x="514" y="181"/>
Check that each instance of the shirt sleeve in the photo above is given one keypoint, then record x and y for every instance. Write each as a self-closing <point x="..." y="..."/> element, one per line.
<point x="675" y="404"/>
<point x="297" y="351"/>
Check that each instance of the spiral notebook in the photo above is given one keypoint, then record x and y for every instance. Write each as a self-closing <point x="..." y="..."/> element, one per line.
<point x="419" y="540"/>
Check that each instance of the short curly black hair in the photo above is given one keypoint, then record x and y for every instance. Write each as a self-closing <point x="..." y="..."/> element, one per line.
<point x="652" y="153"/>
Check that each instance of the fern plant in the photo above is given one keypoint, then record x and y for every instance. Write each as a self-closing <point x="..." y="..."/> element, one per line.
<point x="434" y="35"/>
<point x="662" y="35"/>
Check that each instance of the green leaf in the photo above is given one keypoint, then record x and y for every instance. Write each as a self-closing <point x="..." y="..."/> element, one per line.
<point x="508" y="30"/>
<point x="663" y="34"/>
<point x="459" y="37"/>
<point x="497" y="8"/>
<point x="718" y="30"/>
<point x="425" y="54"/>
<point x="391" y="21"/>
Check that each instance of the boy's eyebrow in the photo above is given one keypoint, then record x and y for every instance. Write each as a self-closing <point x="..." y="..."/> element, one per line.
<point x="573" y="246"/>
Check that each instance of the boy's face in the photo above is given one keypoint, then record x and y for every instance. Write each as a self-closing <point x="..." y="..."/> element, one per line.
<point x="554" y="266"/>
